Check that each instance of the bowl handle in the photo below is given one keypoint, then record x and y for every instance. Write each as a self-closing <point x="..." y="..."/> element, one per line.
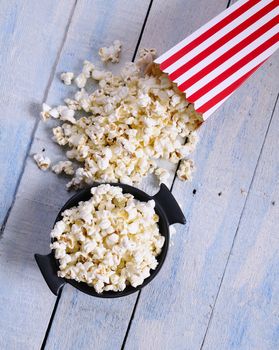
<point x="48" y="269"/>
<point x="169" y="205"/>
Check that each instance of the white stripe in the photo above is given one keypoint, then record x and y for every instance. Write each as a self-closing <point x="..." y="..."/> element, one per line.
<point x="228" y="63"/>
<point x="227" y="82"/>
<point x="213" y="109"/>
<point x="205" y="44"/>
<point x="201" y="30"/>
<point x="205" y="62"/>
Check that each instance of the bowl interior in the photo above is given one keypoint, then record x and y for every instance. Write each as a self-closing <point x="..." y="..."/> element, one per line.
<point x="85" y="195"/>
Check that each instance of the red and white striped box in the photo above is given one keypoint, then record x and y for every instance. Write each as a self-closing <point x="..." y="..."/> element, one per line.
<point x="209" y="65"/>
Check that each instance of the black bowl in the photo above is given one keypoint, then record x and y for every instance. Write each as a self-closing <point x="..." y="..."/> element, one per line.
<point x="166" y="208"/>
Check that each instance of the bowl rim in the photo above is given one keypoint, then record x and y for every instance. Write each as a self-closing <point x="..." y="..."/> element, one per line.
<point x="163" y="222"/>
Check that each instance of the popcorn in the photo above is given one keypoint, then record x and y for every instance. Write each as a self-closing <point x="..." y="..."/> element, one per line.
<point x="45" y="112"/>
<point x="146" y="57"/>
<point x="49" y="112"/>
<point x="185" y="170"/>
<point x="98" y="74"/>
<point x="112" y="240"/>
<point x="59" y="136"/>
<point x="58" y="229"/>
<point x="108" y="249"/>
<point x="88" y="68"/>
<point x="66" y="114"/>
<point x="111" y="53"/>
<point x="42" y="161"/>
<point x="81" y="80"/>
<point x="67" y="78"/>
<point x="162" y="175"/>
<point x="72" y="104"/>
<point x="63" y="166"/>
<point x="132" y="120"/>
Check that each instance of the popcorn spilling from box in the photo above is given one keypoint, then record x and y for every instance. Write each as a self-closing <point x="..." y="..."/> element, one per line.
<point x="150" y="111"/>
<point x="129" y="122"/>
<point x="210" y="64"/>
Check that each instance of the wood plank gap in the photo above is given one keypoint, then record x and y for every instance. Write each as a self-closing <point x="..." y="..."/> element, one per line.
<point x="172" y="184"/>
<point x="133" y="59"/>
<point x="142" y="30"/>
<point x="51" y="77"/>
<point x="2" y="229"/>
<point x="139" y="293"/>
<point x="51" y="319"/>
<point x="130" y="322"/>
<point x="45" y="97"/>
<point x="239" y="223"/>
<point x="229" y="3"/>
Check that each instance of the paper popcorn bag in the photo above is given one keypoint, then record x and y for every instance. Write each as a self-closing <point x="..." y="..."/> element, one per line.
<point x="209" y="65"/>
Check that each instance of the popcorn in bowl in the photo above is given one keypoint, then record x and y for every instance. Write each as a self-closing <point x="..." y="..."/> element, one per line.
<point x="109" y="242"/>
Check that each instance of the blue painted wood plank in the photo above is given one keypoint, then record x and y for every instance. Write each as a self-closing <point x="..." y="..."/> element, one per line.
<point x="174" y="304"/>
<point x="27" y="302"/>
<point x="246" y="313"/>
<point x="31" y="34"/>
<point x="113" y="316"/>
<point x="174" y="311"/>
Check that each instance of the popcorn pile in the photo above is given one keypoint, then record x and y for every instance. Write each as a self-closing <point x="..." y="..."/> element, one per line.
<point x="109" y="241"/>
<point x="129" y="122"/>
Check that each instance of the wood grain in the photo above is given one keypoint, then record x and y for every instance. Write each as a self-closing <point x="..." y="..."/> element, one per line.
<point x="31" y="34"/>
<point x="27" y="302"/>
<point x="67" y="315"/>
<point x="246" y="313"/>
<point x="97" y="315"/>
<point x="174" y="311"/>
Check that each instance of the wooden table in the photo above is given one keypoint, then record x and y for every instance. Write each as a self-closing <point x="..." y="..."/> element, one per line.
<point x="219" y="287"/>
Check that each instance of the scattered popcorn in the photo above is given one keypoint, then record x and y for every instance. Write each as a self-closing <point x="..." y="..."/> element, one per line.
<point x="67" y="78"/>
<point x="66" y="114"/>
<point x="42" y="161"/>
<point x="109" y="242"/>
<point x="111" y="53"/>
<point x="81" y="80"/>
<point x="59" y="136"/>
<point x="49" y="112"/>
<point x="162" y="175"/>
<point x="63" y="167"/>
<point x="88" y="68"/>
<point x="128" y="123"/>
<point x="185" y="170"/>
<point x="146" y="57"/>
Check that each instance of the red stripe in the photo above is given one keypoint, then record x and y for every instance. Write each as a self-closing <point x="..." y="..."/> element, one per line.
<point x="228" y="54"/>
<point x="234" y="68"/>
<point x="225" y="21"/>
<point x="226" y="92"/>
<point x="242" y="26"/>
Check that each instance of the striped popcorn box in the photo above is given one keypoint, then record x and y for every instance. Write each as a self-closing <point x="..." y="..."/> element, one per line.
<point x="209" y="65"/>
